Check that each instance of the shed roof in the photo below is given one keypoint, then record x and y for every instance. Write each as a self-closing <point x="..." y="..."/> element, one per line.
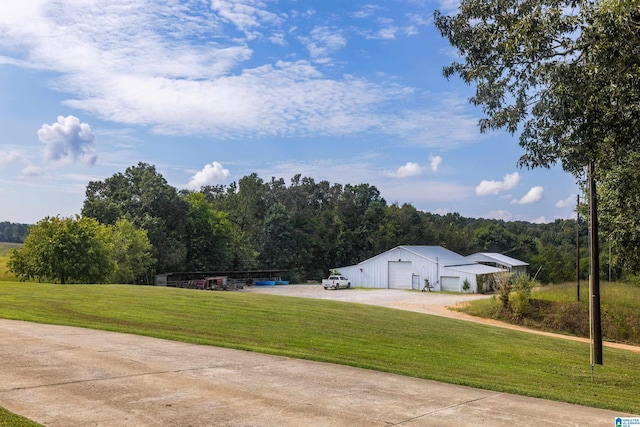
<point x="497" y="258"/>
<point x="476" y="269"/>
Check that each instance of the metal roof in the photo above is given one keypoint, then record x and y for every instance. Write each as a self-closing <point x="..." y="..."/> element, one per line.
<point x="476" y="269"/>
<point x="497" y="258"/>
<point x="439" y="254"/>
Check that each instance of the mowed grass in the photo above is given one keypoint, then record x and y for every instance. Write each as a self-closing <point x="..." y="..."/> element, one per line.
<point x="7" y="419"/>
<point x="378" y="338"/>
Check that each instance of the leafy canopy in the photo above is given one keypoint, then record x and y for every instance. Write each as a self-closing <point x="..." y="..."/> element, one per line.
<point x="566" y="70"/>
<point x="65" y="250"/>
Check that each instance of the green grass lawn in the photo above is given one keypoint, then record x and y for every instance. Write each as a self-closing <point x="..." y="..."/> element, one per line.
<point x="378" y="338"/>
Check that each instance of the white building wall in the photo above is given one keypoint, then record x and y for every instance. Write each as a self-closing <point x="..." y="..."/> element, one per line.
<point x="374" y="272"/>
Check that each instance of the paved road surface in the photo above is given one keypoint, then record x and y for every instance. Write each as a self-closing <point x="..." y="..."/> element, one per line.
<point x="63" y="376"/>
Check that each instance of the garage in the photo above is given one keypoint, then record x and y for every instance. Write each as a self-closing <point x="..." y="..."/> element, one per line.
<point x="412" y="267"/>
<point x="450" y="283"/>
<point x="400" y="275"/>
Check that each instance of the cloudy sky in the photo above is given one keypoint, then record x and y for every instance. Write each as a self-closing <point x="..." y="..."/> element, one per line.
<point x="210" y="91"/>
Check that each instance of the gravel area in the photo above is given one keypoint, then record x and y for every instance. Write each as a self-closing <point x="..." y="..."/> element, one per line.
<point x="424" y="302"/>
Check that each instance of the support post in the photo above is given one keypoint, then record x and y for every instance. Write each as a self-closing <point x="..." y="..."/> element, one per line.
<point x="594" y="283"/>
<point x="578" y="248"/>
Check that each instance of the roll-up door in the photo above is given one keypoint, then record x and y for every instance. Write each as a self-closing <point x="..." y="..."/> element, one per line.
<point x="450" y="283"/>
<point x="400" y="275"/>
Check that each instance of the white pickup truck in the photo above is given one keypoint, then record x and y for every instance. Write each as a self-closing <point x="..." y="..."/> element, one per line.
<point x="336" y="282"/>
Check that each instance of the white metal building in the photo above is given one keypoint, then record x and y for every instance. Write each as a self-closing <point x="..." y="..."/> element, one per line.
<point x="493" y="259"/>
<point x="406" y="267"/>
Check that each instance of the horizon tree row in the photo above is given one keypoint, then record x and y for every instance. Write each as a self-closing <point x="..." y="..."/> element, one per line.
<point x="307" y="227"/>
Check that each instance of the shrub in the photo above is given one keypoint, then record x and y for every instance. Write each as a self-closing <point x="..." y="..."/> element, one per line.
<point x="466" y="285"/>
<point x="503" y="287"/>
<point x="480" y="284"/>
<point x="521" y="286"/>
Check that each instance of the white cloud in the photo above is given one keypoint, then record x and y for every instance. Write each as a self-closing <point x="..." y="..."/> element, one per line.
<point x="68" y="141"/>
<point x="323" y="42"/>
<point x="211" y="174"/>
<point x="32" y="170"/>
<point x="435" y="162"/>
<point x="8" y="157"/>
<point x="388" y="33"/>
<point x="449" y="6"/>
<point x="532" y="196"/>
<point x="486" y="188"/>
<point x="245" y="14"/>
<point x="569" y="201"/>
<point x="169" y="66"/>
<point x="539" y="220"/>
<point x="409" y="169"/>
<point x="366" y="11"/>
<point x="501" y="214"/>
<point x="441" y="211"/>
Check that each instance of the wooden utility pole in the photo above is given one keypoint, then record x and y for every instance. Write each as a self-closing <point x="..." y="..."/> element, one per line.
<point x="594" y="282"/>
<point x="578" y="248"/>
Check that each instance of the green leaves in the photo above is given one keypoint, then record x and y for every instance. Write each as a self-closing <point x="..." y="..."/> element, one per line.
<point x="76" y="250"/>
<point x="565" y="73"/>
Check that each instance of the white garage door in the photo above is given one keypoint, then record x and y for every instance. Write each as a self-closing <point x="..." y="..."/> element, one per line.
<point x="400" y="275"/>
<point x="450" y="283"/>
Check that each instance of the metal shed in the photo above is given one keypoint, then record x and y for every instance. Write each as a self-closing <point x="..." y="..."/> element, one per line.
<point x="407" y="267"/>
<point x="493" y="259"/>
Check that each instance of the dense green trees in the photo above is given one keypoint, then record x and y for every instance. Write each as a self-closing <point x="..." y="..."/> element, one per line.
<point x="81" y="250"/>
<point x="13" y="233"/>
<point x="132" y="254"/>
<point x="304" y="228"/>
<point x="65" y="250"/>
<point x="144" y="197"/>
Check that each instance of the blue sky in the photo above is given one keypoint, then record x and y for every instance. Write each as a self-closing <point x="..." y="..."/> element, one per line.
<point x="210" y="91"/>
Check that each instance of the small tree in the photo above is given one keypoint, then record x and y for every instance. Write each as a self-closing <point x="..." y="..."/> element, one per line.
<point x="521" y="286"/>
<point x="466" y="285"/>
<point x="132" y="252"/>
<point x="65" y="250"/>
<point x="503" y="287"/>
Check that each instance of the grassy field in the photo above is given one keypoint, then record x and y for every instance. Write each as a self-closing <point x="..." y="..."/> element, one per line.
<point x="555" y="308"/>
<point x="5" y="248"/>
<point x="370" y="337"/>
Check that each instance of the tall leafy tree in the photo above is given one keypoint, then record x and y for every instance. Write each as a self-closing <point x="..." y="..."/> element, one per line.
<point x="132" y="253"/>
<point x="278" y="245"/>
<point x="567" y="71"/>
<point x="65" y="250"/>
<point x="144" y="197"/>
<point x="361" y="210"/>
<point x="209" y="236"/>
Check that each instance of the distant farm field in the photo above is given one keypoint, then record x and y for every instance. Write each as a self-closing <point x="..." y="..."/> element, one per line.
<point x="371" y="337"/>
<point x="5" y="249"/>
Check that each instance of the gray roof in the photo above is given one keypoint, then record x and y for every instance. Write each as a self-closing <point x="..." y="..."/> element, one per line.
<point x="496" y="258"/>
<point x="476" y="269"/>
<point x="439" y="254"/>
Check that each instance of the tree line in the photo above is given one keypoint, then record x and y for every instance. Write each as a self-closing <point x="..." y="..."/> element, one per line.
<point x="305" y="228"/>
<point x="12" y="232"/>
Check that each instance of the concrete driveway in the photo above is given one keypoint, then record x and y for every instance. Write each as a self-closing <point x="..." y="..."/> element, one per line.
<point x="64" y="376"/>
